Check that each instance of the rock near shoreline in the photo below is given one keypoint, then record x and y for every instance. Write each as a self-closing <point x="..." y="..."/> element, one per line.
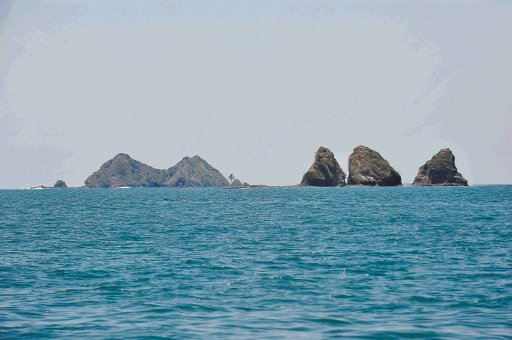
<point x="325" y="171"/>
<point x="440" y="171"/>
<point x="368" y="167"/>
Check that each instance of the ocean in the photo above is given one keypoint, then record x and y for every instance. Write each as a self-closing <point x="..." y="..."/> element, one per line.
<point x="312" y="263"/>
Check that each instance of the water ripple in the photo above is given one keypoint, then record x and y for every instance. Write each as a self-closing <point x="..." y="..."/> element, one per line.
<point x="290" y="262"/>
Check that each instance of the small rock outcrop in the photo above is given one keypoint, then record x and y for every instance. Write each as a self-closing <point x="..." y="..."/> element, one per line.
<point x="236" y="183"/>
<point x="440" y="171"/>
<point x="325" y="171"/>
<point x="368" y="167"/>
<point x="124" y="171"/>
<point x="40" y="187"/>
<point x="60" y="184"/>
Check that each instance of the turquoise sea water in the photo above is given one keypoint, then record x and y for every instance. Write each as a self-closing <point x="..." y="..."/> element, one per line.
<point x="289" y="262"/>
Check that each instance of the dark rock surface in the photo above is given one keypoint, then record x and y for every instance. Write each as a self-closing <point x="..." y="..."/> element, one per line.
<point x="124" y="171"/>
<point x="440" y="171"/>
<point x="60" y="184"/>
<point x="325" y="171"/>
<point x="368" y="167"/>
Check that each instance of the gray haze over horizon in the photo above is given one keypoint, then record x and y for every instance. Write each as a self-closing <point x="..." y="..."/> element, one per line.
<point x="253" y="87"/>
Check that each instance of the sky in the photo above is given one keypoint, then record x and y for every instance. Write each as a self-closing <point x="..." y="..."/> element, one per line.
<point x="253" y="87"/>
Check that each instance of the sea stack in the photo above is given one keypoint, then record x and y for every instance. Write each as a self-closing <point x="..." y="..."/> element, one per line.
<point x="325" y="171"/>
<point x="440" y="171"/>
<point x="368" y="167"/>
<point x="60" y="185"/>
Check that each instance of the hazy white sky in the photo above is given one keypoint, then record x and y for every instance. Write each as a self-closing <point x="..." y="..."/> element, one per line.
<point x="254" y="87"/>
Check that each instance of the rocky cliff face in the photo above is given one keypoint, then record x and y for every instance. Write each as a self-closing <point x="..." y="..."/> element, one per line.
<point x="325" y="171"/>
<point x="368" y="167"/>
<point x="194" y="172"/>
<point x="124" y="171"/>
<point x="60" y="184"/>
<point x="440" y="171"/>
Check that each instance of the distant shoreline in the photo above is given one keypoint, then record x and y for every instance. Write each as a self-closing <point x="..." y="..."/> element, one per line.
<point x="262" y="187"/>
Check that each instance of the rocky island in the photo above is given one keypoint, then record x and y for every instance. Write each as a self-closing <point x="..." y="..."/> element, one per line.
<point x="194" y="172"/>
<point x="124" y="171"/>
<point x="325" y="171"/>
<point x="60" y="184"/>
<point x="368" y="167"/>
<point x="440" y="171"/>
